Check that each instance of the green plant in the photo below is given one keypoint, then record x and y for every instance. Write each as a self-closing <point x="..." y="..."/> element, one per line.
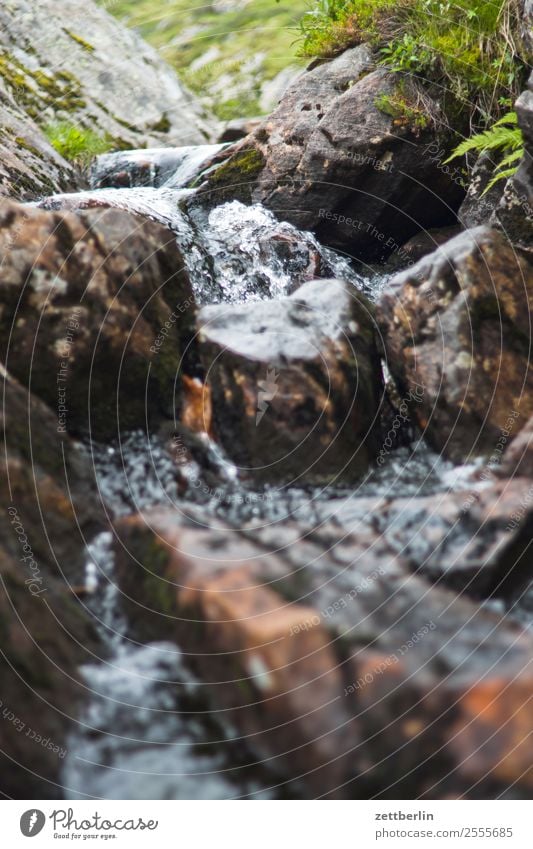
<point x="76" y="143"/>
<point x="504" y="137"/>
<point x="468" y="49"/>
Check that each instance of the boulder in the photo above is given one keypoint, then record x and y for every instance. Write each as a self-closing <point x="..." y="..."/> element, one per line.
<point x="340" y="666"/>
<point x="115" y="85"/>
<point x="457" y="333"/>
<point x="295" y="383"/>
<point x="43" y="639"/>
<point x="47" y="484"/>
<point x="352" y="153"/>
<point x="96" y="314"/>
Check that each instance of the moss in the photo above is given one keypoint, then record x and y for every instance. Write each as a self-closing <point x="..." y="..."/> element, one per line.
<point x="244" y="165"/>
<point x="35" y="91"/>
<point x="79" y="40"/>
<point x="403" y="112"/>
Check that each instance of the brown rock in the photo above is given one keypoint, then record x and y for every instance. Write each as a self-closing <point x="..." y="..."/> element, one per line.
<point x="330" y="647"/>
<point x="457" y="332"/>
<point x="95" y="310"/>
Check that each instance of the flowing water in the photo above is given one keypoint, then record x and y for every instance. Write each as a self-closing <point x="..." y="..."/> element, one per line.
<point x="148" y="730"/>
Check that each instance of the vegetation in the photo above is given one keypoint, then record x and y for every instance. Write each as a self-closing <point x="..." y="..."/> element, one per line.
<point x="75" y="143"/>
<point x="467" y="47"/>
<point x="224" y="52"/>
<point x="504" y="137"/>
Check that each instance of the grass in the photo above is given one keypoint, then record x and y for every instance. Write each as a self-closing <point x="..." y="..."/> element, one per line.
<point x="244" y="45"/>
<point x="75" y="143"/>
<point x="467" y="47"/>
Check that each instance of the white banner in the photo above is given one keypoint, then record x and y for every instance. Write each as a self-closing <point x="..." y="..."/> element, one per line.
<point x="264" y="825"/>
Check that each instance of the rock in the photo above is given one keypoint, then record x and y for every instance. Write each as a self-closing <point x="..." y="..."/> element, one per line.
<point x="96" y="314"/>
<point x="518" y="458"/>
<point x="118" y="86"/>
<point x="350" y="153"/>
<point x="238" y="128"/>
<point x="295" y="383"/>
<point x="48" y="514"/>
<point x="420" y="245"/>
<point x="474" y="541"/>
<point x="457" y="333"/>
<point x="479" y="204"/>
<point x="47" y="484"/>
<point x="29" y="165"/>
<point x="42" y="643"/>
<point x="514" y="214"/>
<point x="337" y="664"/>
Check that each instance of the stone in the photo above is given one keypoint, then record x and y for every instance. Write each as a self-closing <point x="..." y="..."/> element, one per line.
<point x="97" y="311"/>
<point x="115" y="85"/>
<point x="295" y="383"/>
<point x="343" y="669"/>
<point x="352" y="153"/>
<point x="456" y="332"/>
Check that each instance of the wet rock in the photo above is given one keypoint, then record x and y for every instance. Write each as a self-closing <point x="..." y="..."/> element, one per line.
<point x="457" y="333"/>
<point x="116" y="85"/>
<point x="330" y="647"/>
<point x="295" y="383"/>
<point x="96" y="308"/>
<point x="420" y="245"/>
<point x="349" y="156"/>
<point x="474" y="541"/>
<point x="173" y="166"/>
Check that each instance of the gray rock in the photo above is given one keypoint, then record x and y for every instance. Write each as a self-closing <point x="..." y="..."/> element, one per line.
<point x="296" y="383"/>
<point x="479" y="204"/>
<point x="72" y="61"/>
<point x="29" y="165"/>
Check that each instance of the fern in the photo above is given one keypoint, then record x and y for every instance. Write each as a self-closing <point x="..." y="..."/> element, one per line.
<point x="504" y="136"/>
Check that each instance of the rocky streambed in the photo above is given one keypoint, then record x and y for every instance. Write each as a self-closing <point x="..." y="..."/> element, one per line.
<point x="268" y="475"/>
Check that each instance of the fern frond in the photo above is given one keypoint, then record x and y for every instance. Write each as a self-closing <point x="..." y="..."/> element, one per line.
<point x="501" y="175"/>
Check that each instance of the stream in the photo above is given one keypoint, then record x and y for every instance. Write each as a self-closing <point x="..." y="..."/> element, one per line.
<point x="148" y="729"/>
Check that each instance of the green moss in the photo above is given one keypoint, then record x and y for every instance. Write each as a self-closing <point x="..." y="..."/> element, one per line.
<point x="74" y="143"/>
<point x="35" y="91"/>
<point x="79" y="40"/>
<point x="235" y="177"/>
<point x="404" y="113"/>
